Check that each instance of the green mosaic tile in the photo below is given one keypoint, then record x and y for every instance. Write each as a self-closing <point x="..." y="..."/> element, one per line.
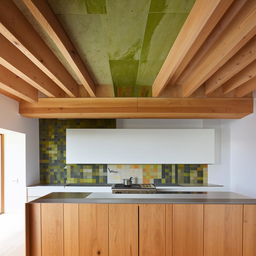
<point x="53" y="168"/>
<point x="53" y="152"/>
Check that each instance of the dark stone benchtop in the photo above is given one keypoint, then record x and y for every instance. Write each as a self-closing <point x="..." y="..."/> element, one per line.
<point x="179" y="198"/>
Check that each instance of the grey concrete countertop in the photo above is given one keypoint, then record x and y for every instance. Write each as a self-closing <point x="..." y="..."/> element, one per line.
<point x="179" y="198"/>
<point x="109" y="185"/>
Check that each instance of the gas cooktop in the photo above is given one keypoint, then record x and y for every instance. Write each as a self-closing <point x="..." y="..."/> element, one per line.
<point x="134" y="189"/>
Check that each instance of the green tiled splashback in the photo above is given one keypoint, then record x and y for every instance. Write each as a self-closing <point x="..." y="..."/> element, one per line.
<point x="53" y="168"/>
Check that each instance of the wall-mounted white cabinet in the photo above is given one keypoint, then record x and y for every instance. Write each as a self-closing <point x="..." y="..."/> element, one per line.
<point x="140" y="146"/>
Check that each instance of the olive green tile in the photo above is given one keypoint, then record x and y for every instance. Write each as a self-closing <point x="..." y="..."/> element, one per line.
<point x="171" y="6"/>
<point x="96" y="6"/>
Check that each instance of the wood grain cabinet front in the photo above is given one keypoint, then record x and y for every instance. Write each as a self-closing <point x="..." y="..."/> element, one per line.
<point x="56" y="229"/>
<point x="71" y="230"/>
<point x="93" y="229"/>
<point x="249" y="230"/>
<point x="123" y="230"/>
<point x="223" y="230"/>
<point x="152" y="229"/>
<point x="52" y="229"/>
<point x="187" y="230"/>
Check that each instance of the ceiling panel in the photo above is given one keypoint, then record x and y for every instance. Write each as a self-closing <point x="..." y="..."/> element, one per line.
<point x="124" y="42"/>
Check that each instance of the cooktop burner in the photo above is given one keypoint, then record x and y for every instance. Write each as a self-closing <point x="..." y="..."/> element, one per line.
<point x="134" y="189"/>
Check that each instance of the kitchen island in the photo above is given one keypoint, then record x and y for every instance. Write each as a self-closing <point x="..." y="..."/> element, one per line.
<point x="170" y="224"/>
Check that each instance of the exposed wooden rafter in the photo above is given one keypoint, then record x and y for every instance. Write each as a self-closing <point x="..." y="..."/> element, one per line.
<point x="237" y="63"/>
<point x="199" y="24"/>
<point x="22" y="35"/>
<point x="12" y="59"/>
<point x="240" y="31"/>
<point x="47" y="19"/>
<point x="14" y="85"/>
<point x="242" y="77"/>
<point x="246" y="88"/>
<point x="138" y="108"/>
<point x="210" y="41"/>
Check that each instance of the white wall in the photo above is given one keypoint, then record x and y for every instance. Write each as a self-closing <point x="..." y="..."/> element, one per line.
<point x="21" y="137"/>
<point x="219" y="173"/>
<point x="243" y="154"/>
<point x="15" y="170"/>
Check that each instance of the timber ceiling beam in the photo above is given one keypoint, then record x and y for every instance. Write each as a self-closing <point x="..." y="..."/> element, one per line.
<point x="202" y="19"/>
<point x="138" y="108"/>
<point x="242" y="77"/>
<point x="210" y="41"/>
<point x="14" y="85"/>
<point x="240" y="31"/>
<point x="13" y="59"/>
<point x="246" y="88"/>
<point x="236" y="64"/>
<point x="15" y="27"/>
<point x="49" y="22"/>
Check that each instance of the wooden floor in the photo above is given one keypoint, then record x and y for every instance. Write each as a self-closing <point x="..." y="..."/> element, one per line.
<point x="12" y="235"/>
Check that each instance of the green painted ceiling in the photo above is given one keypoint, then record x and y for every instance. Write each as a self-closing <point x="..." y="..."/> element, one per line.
<point x="123" y="42"/>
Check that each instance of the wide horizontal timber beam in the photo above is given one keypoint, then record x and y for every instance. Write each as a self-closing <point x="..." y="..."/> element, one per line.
<point x="138" y="108"/>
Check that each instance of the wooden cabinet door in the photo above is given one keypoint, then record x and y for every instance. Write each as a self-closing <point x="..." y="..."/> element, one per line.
<point x="152" y="230"/>
<point x="123" y="230"/>
<point x="93" y="229"/>
<point x="33" y="229"/>
<point x="52" y="229"/>
<point x="71" y="230"/>
<point x="187" y="230"/>
<point x="169" y="229"/>
<point x="249" y="230"/>
<point x="223" y="230"/>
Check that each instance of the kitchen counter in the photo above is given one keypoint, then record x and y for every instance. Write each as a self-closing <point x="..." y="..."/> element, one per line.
<point x="159" y="198"/>
<point x="109" y="185"/>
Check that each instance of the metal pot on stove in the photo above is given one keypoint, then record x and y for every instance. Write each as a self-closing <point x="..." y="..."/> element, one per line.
<point x="127" y="182"/>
